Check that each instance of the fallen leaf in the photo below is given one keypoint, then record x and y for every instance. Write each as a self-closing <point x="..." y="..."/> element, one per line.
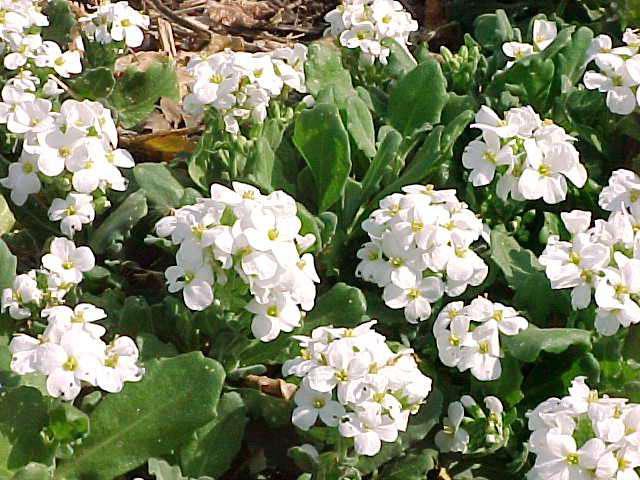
<point x="276" y="387"/>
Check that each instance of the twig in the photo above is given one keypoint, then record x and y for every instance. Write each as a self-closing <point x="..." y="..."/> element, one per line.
<point x="201" y="30"/>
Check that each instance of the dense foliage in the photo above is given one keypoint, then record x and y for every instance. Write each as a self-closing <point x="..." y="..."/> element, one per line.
<point x="380" y="261"/>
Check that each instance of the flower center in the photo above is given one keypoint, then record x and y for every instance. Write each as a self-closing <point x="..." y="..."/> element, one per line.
<point x="125" y="23"/>
<point x="544" y="170"/>
<point x="112" y="361"/>
<point x="574" y="258"/>
<point x="216" y="78"/>
<point x="498" y="315"/>
<point x="59" y="61"/>
<point x="342" y="375"/>
<point x="70" y="365"/>
<point x="273" y="234"/>
<point x="272" y="311"/>
<point x="28" y="168"/>
<point x="413" y="293"/>
<point x="454" y="341"/>
<point x="67" y="265"/>
<point x="318" y="403"/>
<point x="483" y="347"/>
<point x="396" y="262"/>
<point x="573" y="459"/>
<point x="417" y="225"/>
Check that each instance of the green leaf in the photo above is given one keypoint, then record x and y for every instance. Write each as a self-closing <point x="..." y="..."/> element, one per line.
<point x="147" y="419"/>
<point x="152" y="348"/>
<point x="67" y="423"/>
<point x="528" y="344"/>
<point x="571" y="61"/>
<point x="223" y="435"/>
<point x="324" y="69"/>
<point x="7" y="219"/>
<point x="360" y="125"/>
<point x="120" y="222"/>
<point x="400" y="60"/>
<point x="323" y="142"/>
<point x="23" y="416"/>
<point x="61" y="22"/>
<point x="516" y="263"/>
<point x="93" y="84"/>
<point x="530" y="79"/>
<point x="413" y="466"/>
<point x="8" y="265"/>
<point x="159" y="185"/>
<point x="137" y="91"/>
<point x="163" y="471"/>
<point x="342" y="306"/>
<point x="276" y="412"/>
<point x="524" y="274"/>
<point x="418" y="98"/>
<point x="493" y="29"/>
<point x="34" y="471"/>
<point x="261" y="163"/>
<point x="384" y="156"/>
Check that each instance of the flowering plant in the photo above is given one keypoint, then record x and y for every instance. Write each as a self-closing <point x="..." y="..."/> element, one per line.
<point x="361" y="258"/>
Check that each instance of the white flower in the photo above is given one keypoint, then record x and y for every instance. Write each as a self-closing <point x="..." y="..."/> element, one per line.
<point x="64" y="64"/>
<point x="482" y="356"/>
<point x="453" y="438"/>
<point x="120" y="365"/>
<point x="76" y="359"/>
<point x="311" y="405"/>
<point x="483" y="157"/>
<point x="544" y="33"/>
<point x="22" y="179"/>
<point x="68" y="261"/>
<point x="75" y="211"/>
<point x="368" y="430"/>
<point x="506" y="319"/>
<point x="618" y="78"/>
<point x="279" y="313"/>
<point x="62" y="319"/>
<point x="417" y="299"/>
<point x="24" y="292"/>
<point x="127" y="24"/>
<point x="193" y="276"/>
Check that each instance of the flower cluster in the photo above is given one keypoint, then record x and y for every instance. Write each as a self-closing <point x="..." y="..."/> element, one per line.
<point x="23" y="46"/>
<point x="115" y="22"/>
<point x="69" y="151"/>
<point x="420" y="248"/>
<point x="604" y="258"/>
<point x="532" y="158"/>
<point x="455" y="435"/>
<point x="70" y="350"/>
<point x="619" y="71"/>
<point x="353" y="380"/>
<point x="72" y="151"/>
<point x="585" y="435"/>
<point x="467" y="346"/>
<point x="240" y="85"/>
<point x="544" y="33"/>
<point x="62" y="269"/>
<point x="368" y="24"/>
<point x="256" y="237"/>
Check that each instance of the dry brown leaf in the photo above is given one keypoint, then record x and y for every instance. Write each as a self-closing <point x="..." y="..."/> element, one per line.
<point x="162" y="146"/>
<point x="276" y="387"/>
<point x="443" y="474"/>
<point x="141" y="60"/>
<point x="240" y="14"/>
